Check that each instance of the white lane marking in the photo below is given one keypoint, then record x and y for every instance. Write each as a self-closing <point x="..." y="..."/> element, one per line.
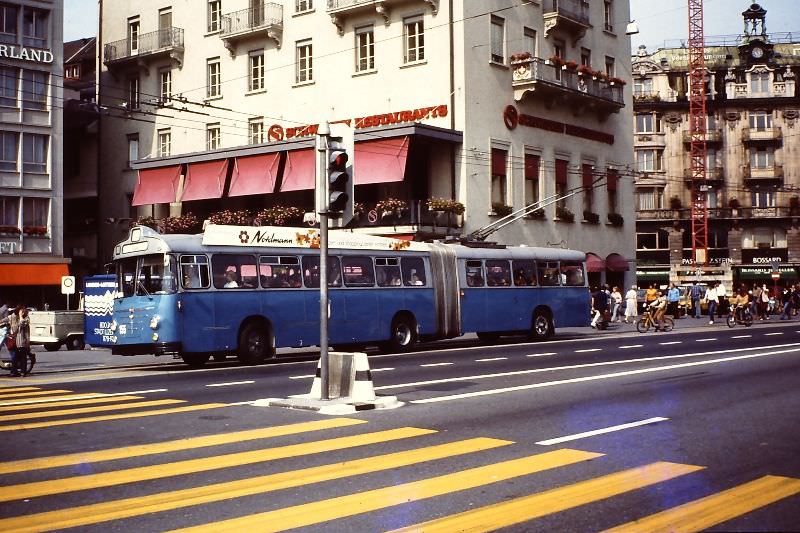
<point x="585" y="365"/>
<point x="303" y="377"/>
<point x="704" y="340"/>
<point x="771" y="334"/>
<point x="611" y="429"/>
<point x="436" y="364"/>
<point x="249" y="402"/>
<point x="540" y="354"/>
<point x="230" y="383"/>
<point x="490" y="359"/>
<point x="741" y="337"/>
<point x="588" y="350"/>
<point x="670" y="342"/>
<point x="629" y="346"/>
<point x="80" y="397"/>
<point x="382" y="369"/>
<point x="599" y="377"/>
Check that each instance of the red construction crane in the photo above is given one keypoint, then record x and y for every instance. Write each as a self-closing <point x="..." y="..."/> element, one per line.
<point x="697" y="130"/>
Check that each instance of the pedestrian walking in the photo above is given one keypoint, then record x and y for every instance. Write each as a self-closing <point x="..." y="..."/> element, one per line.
<point x="673" y="297"/>
<point x="712" y="301"/>
<point x="694" y="297"/>
<point x="763" y="303"/>
<point x="786" y="300"/>
<point x="616" y="299"/>
<point x="631" y="305"/>
<point x="599" y="305"/>
<point x="722" y="299"/>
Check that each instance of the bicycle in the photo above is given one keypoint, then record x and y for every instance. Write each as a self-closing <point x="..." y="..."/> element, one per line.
<point x="647" y="320"/>
<point x="741" y="316"/>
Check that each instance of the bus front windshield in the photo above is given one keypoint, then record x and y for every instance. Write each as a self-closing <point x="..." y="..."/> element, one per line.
<point x="147" y="275"/>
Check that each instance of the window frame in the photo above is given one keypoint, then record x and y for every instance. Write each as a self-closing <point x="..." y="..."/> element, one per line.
<point x="9" y="86"/>
<point x="164" y="139"/>
<point x="9" y="138"/>
<point x="40" y="26"/>
<point x="9" y="205"/>
<point x="255" y="71"/>
<point x="165" y="85"/>
<point x="133" y="92"/>
<point x="36" y="212"/>
<point x="41" y="147"/>
<point x="497" y="40"/>
<point x="413" y="39"/>
<point x="213" y="136"/>
<point x="35" y="89"/>
<point x="9" y="25"/>
<point x="214" y="16"/>
<point x="365" y="48"/>
<point x="133" y="140"/>
<point x="303" y="6"/>
<point x="255" y="130"/>
<point x="304" y="61"/>
<point x="213" y="77"/>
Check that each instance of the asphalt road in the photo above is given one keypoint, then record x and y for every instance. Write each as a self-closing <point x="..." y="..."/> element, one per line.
<point x="690" y="430"/>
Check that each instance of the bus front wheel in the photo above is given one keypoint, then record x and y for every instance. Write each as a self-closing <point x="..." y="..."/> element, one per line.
<point x="542" y="327"/>
<point x="254" y="345"/>
<point x="403" y="334"/>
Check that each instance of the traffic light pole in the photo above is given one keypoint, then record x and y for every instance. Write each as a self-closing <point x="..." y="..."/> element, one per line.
<point x="322" y="146"/>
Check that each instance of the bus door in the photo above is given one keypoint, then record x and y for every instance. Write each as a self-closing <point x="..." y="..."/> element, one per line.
<point x="502" y="307"/>
<point x="311" y="279"/>
<point x="526" y="282"/>
<point x="360" y="301"/>
<point x="235" y="278"/>
<point x="283" y="301"/>
<point x="196" y="309"/>
<point x="473" y="297"/>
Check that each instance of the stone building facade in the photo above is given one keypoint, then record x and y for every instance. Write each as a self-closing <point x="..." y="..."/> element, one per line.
<point x="493" y="104"/>
<point x="753" y="139"/>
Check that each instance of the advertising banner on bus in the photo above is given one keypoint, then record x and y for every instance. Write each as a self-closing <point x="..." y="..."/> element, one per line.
<point x="98" y="307"/>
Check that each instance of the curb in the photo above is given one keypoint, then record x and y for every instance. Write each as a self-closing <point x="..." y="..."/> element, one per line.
<point x="337" y="407"/>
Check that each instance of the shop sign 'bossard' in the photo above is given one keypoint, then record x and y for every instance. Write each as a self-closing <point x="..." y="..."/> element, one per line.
<point x="12" y="51"/>
<point x="276" y="132"/>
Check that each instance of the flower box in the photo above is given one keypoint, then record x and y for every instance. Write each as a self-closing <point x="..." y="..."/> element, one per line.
<point x="9" y="231"/>
<point x="501" y="210"/>
<point x="35" y="231"/>
<point x="564" y="214"/>
<point x="279" y="215"/>
<point x="591" y="218"/>
<point x="536" y="214"/>
<point x="615" y="219"/>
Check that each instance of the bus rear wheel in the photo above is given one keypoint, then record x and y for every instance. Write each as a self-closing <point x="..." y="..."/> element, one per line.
<point x="542" y="326"/>
<point x="195" y="360"/>
<point x="254" y="344"/>
<point x="403" y="334"/>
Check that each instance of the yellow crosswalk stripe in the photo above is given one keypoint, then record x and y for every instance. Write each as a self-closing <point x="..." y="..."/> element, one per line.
<point x="11" y="390"/>
<point x="191" y="466"/>
<point x="52" y="400"/>
<point x="31" y="394"/>
<point x="50" y="405"/>
<point x="158" y="448"/>
<point x="103" y="418"/>
<point x="362" y="502"/>
<point x="718" y="508"/>
<point x="49" y="412"/>
<point x="520" y="510"/>
<point x="167" y="501"/>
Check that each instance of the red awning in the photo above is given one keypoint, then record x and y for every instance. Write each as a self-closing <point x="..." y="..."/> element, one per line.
<point x="594" y="263"/>
<point x="299" y="173"/>
<point x="617" y="263"/>
<point x="499" y="162"/>
<point x="612" y="177"/>
<point x="156" y="186"/>
<point x="254" y="175"/>
<point x="561" y="171"/>
<point x="531" y="167"/>
<point x="32" y="273"/>
<point x="381" y="160"/>
<point x="205" y="180"/>
<point x="588" y="175"/>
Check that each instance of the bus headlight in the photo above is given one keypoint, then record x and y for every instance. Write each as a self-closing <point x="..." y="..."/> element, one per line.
<point x="155" y="336"/>
<point x="154" y="322"/>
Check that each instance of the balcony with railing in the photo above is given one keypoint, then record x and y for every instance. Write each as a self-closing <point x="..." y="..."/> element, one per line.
<point x="777" y="89"/>
<point x="570" y="16"/>
<point x="534" y="75"/>
<point x="713" y="174"/>
<point x="711" y="136"/>
<point x="339" y="10"/>
<point x="145" y="47"/>
<point x="260" y="20"/>
<point x="758" y="174"/>
<point x="761" y="135"/>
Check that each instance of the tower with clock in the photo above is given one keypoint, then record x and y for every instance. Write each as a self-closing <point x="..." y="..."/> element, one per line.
<point x="755" y="48"/>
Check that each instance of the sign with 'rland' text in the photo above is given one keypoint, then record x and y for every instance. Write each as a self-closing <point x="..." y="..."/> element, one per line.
<point x="12" y="51"/>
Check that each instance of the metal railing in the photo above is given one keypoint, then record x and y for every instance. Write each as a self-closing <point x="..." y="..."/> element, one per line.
<point x="536" y="69"/>
<point x="761" y="134"/>
<point x="712" y="135"/>
<point x="577" y="10"/>
<point x="253" y="18"/>
<point x="763" y="173"/>
<point x="336" y="4"/>
<point x="144" y="44"/>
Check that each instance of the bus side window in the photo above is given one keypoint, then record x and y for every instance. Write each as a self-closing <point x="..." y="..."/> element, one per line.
<point x="234" y="271"/>
<point x="524" y="273"/>
<point x="358" y="271"/>
<point x="387" y="271"/>
<point x="311" y="272"/>
<point x="474" y="273"/>
<point x="572" y="274"/>
<point x="194" y="272"/>
<point x="498" y="273"/>
<point x="413" y="271"/>
<point x="549" y="274"/>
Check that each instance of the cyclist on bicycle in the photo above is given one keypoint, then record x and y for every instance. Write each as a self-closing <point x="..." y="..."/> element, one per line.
<point x="741" y="302"/>
<point x="659" y="308"/>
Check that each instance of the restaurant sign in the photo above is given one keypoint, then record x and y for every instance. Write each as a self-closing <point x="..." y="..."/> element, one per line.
<point x="12" y="51"/>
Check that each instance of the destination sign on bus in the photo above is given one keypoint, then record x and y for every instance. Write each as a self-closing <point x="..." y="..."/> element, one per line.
<point x="283" y="237"/>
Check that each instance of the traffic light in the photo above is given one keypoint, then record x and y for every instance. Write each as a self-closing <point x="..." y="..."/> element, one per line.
<point x="340" y="190"/>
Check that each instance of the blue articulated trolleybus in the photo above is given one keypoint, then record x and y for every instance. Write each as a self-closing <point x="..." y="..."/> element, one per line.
<point x="246" y="291"/>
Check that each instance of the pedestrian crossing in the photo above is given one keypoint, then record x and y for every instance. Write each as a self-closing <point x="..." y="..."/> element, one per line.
<point x="366" y="471"/>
